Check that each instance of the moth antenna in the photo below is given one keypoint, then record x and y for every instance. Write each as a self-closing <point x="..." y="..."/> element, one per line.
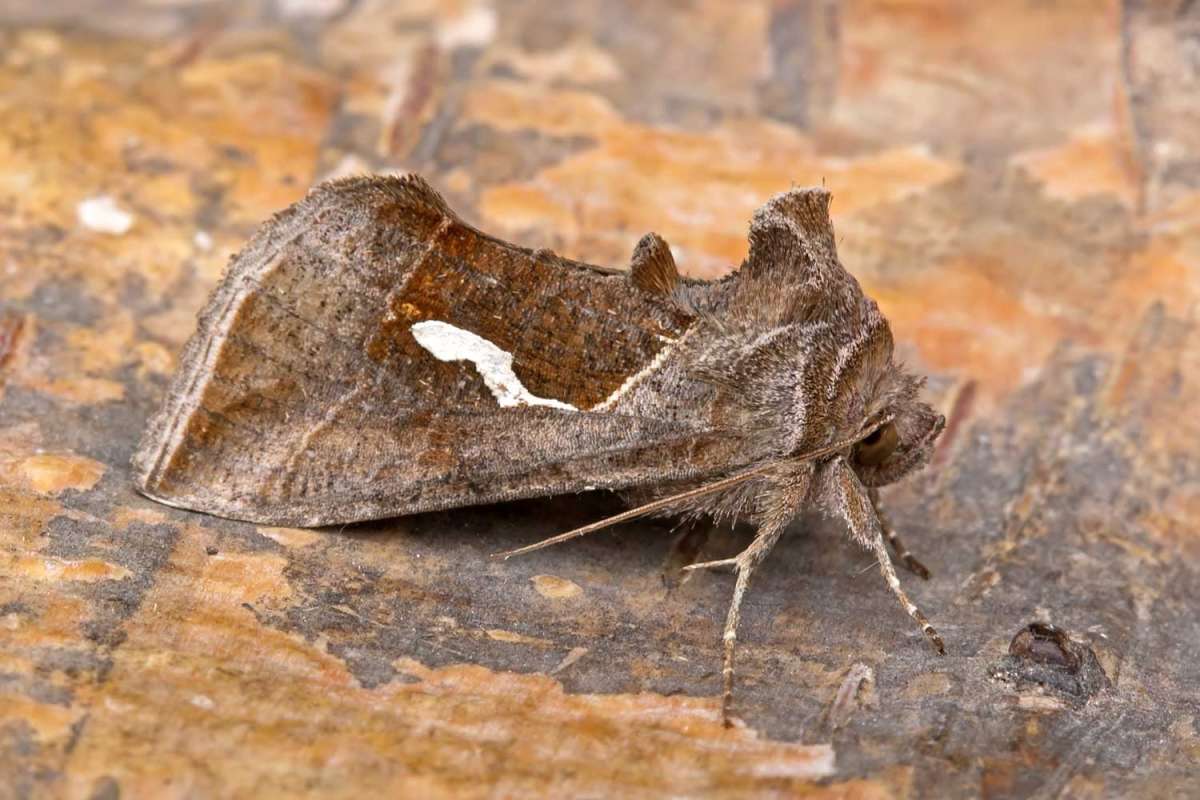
<point x="666" y="502"/>
<point x="640" y="511"/>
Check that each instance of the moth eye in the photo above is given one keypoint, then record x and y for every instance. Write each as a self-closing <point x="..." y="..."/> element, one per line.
<point x="878" y="446"/>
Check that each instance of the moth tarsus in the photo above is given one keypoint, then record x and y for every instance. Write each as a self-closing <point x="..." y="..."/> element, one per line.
<point x="369" y="354"/>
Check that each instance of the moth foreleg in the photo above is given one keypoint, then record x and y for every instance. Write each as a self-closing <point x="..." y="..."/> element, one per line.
<point x="854" y="504"/>
<point x="745" y="563"/>
<point x="908" y="559"/>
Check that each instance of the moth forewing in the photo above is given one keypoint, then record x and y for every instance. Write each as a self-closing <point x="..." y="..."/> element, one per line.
<point x="306" y="397"/>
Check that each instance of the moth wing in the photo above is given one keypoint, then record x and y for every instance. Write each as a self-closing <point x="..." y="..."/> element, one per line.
<point x="358" y="469"/>
<point x="304" y="397"/>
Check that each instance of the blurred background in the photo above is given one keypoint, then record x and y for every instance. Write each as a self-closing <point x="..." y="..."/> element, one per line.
<point x="1016" y="183"/>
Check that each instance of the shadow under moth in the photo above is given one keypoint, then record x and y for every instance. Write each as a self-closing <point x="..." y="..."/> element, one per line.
<point x="368" y="354"/>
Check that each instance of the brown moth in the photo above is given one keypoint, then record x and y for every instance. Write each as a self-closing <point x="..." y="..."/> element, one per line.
<point x="369" y="354"/>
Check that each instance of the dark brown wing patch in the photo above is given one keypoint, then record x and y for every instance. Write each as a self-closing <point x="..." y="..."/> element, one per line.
<point x="575" y="334"/>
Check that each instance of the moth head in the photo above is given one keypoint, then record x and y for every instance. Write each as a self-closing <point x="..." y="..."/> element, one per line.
<point x="899" y="435"/>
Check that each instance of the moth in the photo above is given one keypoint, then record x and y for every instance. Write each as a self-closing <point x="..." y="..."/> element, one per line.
<point x="369" y="354"/>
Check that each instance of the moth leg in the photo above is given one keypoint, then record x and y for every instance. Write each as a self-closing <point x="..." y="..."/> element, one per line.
<point x="908" y="559"/>
<point x="889" y="574"/>
<point x="684" y="551"/>
<point x="745" y="563"/>
<point x="780" y="498"/>
<point x="724" y="562"/>
<point x="854" y="504"/>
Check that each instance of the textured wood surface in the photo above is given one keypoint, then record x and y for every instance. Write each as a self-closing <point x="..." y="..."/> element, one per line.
<point x="1020" y="190"/>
